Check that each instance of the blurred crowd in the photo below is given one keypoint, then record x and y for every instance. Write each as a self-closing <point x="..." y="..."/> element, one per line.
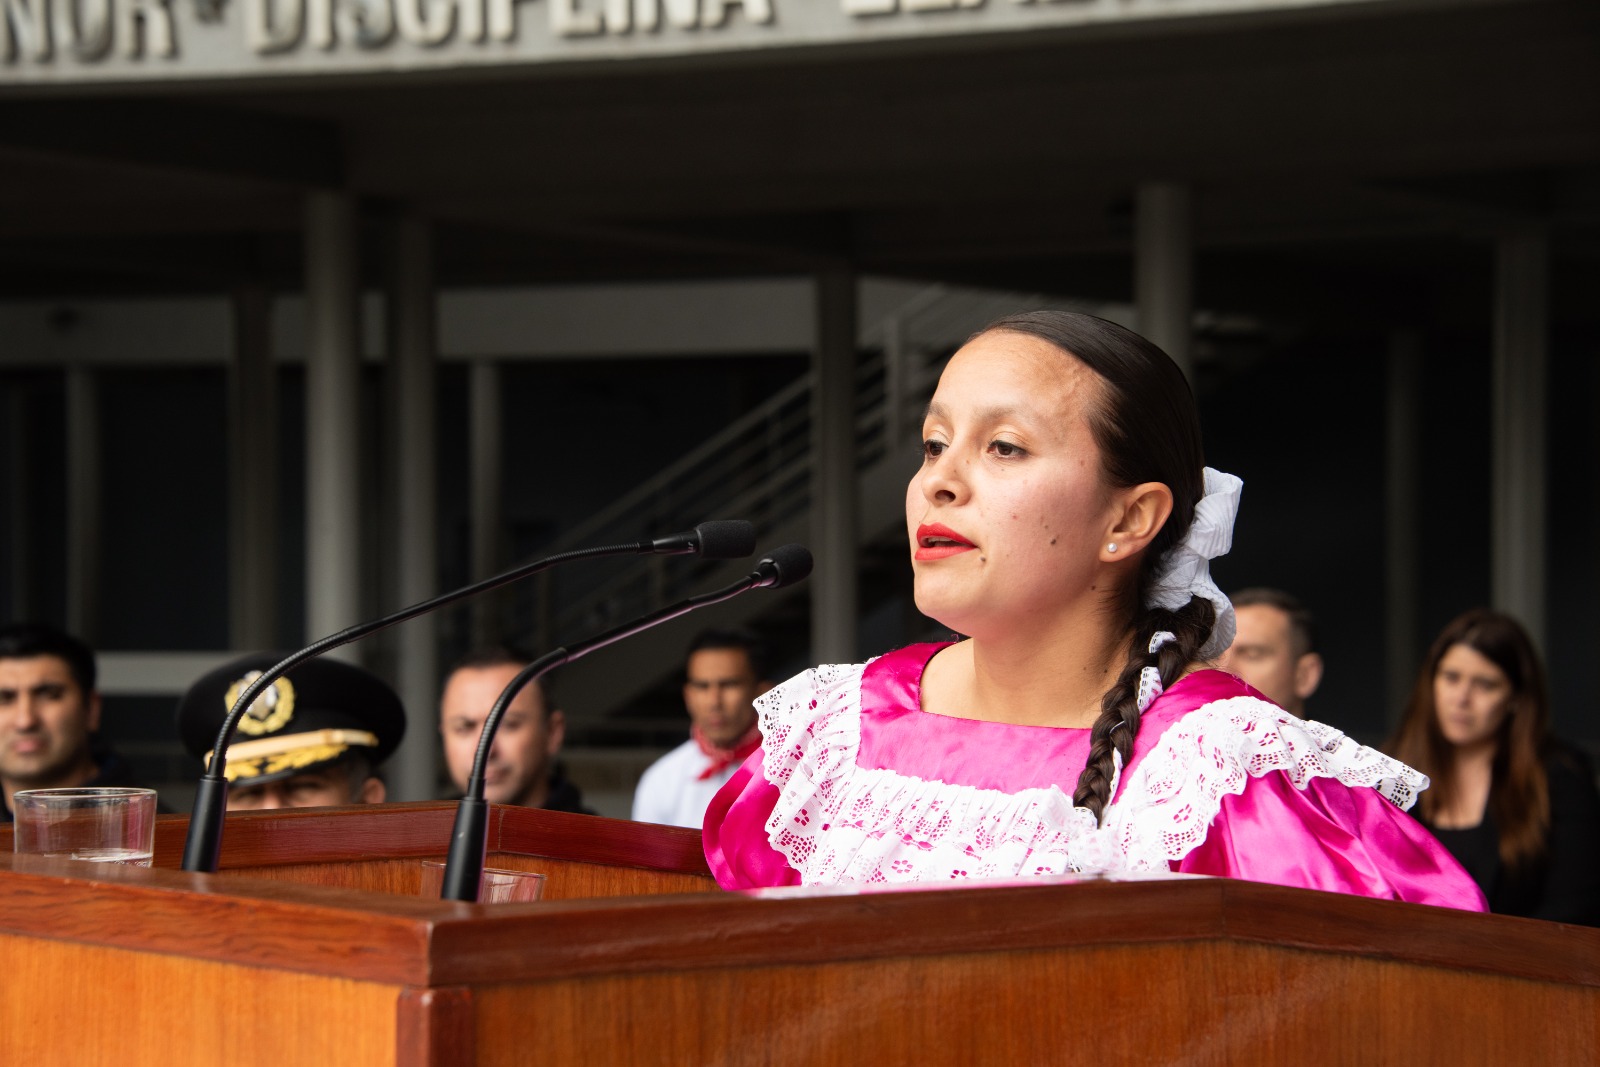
<point x="1517" y="806"/>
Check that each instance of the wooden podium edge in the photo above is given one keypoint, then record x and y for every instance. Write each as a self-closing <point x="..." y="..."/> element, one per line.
<point x="419" y="943"/>
<point x="423" y="828"/>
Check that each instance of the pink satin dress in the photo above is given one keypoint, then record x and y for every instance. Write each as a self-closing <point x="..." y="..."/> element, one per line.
<point x="856" y="783"/>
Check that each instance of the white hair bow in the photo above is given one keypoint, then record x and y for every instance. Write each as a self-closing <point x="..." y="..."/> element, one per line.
<point x="1186" y="570"/>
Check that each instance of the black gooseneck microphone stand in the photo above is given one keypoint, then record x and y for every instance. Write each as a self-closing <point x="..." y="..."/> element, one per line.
<point x="469" y="838"/>
<point x="718" y="539"/>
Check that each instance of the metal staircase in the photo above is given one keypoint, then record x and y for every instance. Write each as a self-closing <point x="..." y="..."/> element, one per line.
<point x="757" y="468"/>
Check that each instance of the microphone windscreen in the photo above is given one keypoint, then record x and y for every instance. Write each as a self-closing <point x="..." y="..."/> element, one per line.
<point x="792" y="562"/>
<point x="726" y="539"/>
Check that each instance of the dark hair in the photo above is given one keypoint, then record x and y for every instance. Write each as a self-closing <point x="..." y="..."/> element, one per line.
<point x="1519" y="793"/>
<point x="1302" y="627"/>
<point x="25" y="640"/>
<point x="501" y="656"/>
<point x="357" y="766"/>
<point x="1148" y="430"/>
<point x="746" y="641"/>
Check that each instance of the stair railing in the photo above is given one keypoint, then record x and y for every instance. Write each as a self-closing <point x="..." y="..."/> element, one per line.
<point x="758" y="467"/>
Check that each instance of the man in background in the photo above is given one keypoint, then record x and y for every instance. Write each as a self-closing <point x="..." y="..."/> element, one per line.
<point x="49" y="713"/>
<point x="725" y="672"/>
<point x="1275" y="648"/>
<point x="315" y="738"/>
<point x="523" y="768"/>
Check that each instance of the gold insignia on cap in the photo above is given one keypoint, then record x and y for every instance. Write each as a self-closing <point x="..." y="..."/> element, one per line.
<point x="295" y="759"/>
<point x="270" y="711"/>
<point x="271" y="755"/>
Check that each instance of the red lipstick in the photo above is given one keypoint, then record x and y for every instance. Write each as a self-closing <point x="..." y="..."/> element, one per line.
<point x="936" y="541"/>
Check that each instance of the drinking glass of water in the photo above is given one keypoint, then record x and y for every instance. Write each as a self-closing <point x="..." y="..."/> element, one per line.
<point x="99" y="824"/>
<point x="495" y="887"/>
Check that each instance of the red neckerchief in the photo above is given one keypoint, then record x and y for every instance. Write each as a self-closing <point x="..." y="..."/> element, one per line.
<point x="722" y="757"/>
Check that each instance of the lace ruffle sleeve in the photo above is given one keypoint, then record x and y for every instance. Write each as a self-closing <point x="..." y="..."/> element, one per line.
<point x="1215" y="751"/>
<point x="734" y="833"/>
<point x="1240" y="789"/>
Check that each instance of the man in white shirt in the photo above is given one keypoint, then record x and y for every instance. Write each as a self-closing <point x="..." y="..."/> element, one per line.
<point x="726" y="671"/>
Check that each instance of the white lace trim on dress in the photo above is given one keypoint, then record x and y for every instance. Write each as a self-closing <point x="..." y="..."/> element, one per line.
<point x="836" y="822"/>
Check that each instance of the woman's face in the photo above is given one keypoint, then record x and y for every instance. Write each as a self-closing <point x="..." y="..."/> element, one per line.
<point x="1008" y="512"/>
<point x="1471" y="697"/>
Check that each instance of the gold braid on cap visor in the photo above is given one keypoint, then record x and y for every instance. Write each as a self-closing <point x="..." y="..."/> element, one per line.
<point x="273" y="755"/>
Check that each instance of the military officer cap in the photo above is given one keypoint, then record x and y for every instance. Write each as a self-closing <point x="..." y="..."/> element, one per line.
<point x="313" y="717"/>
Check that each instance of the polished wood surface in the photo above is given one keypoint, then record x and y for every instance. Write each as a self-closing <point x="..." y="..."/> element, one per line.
<point x="259" y="839"/>
<point x="1208" y="1002"/>
<point x="635" y="957"/>
<point x="377" y="849"/>
<point x="87" y="1005"/>
<point x="565" y="879"/>
<point x="434" y="1028"/>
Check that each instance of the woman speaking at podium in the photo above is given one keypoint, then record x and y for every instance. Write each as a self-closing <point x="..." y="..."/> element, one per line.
<point x="1062" y="520"/>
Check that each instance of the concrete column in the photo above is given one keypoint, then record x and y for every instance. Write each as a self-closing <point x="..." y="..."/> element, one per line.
<point x="1402" y="521"/>
<point x="333" y="410"/>
<point x="895" y="375"/>
<point x="23" y="565"/>
<point x="253" y="473"/>
<point x="1520" y="406"/>
<point x="413" y="770"/>
<point x="488" y="516"/>
<point x="83" y="503"/>
<point x="1163" y="268"/>
<point x="834" y="540"/>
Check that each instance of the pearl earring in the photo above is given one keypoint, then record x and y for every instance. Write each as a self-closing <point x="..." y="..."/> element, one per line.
<point x="1112" y="547"/>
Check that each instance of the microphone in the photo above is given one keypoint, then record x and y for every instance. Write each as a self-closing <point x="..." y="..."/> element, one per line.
<point x="469" y="838"/>
<point x="716" y="539"/>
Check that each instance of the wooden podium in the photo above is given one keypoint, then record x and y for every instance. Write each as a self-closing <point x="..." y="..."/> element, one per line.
<point x="312" y="947"/>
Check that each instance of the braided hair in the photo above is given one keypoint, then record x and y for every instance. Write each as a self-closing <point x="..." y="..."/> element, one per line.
<point x="1148" y="430"/>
